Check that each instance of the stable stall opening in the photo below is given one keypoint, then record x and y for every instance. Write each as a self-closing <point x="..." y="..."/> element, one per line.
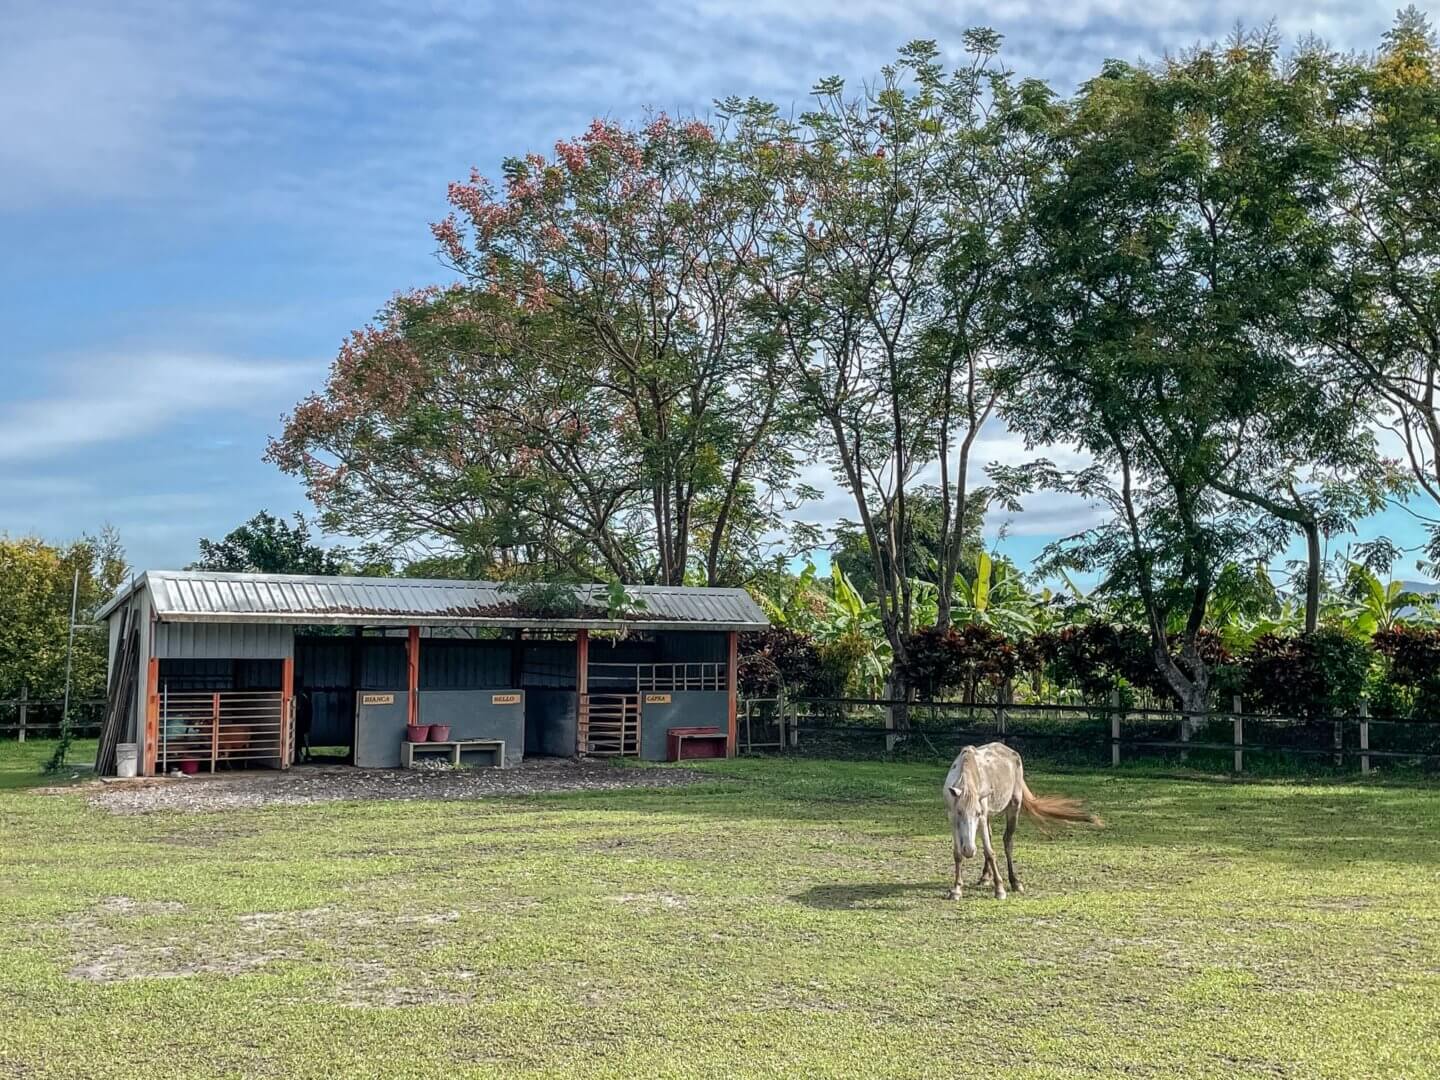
<point x="222" y="714"/>
<point x="328" y="671"/>
<point x="642" y="690"/>
<point x="549" y="678"/>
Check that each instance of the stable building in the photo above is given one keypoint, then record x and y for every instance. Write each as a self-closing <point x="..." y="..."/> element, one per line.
<point x="215" y="671"/>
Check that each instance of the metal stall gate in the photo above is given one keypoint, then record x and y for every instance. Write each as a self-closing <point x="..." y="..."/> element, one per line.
<point x="205" y="728"/>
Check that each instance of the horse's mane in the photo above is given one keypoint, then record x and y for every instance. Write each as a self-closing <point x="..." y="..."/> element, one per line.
<point x="969" y="768"/>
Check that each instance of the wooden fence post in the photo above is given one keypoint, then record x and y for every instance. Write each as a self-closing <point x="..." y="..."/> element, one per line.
<point x="1239" y="707"/>
<point x="1364" y="737"/>
<point x="1001" y="718"/>
<point x="1114" y="727"/>
<point x="23" y="710"/>
<point x="1339" y="742"/>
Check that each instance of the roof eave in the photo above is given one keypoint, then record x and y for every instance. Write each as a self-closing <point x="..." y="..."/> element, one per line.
<point x="290" y="619"/>
<point x="129" y="589"/>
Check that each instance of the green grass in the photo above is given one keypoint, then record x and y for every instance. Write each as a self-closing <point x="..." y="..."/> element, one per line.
<point x="21" y="763"/>
<point x="785" y="920"/>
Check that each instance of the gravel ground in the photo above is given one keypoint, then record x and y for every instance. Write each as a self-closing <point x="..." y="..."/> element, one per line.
<point x="306" y="784"/>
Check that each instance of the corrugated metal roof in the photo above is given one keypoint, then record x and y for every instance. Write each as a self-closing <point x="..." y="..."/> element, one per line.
<point x="195" y="596"/>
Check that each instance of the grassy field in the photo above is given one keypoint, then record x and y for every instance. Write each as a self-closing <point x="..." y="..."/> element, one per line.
<point x="785" y="920"/>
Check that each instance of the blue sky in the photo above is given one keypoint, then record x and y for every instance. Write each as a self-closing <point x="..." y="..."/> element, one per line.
<point x="198" y="200"/>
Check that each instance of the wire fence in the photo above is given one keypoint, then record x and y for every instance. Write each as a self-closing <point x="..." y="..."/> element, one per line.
<point x="1105" y="734"/>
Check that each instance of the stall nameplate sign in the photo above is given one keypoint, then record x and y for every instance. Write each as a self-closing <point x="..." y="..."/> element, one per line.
<point x="377" y="699"/>
<point x="657" y="699"/>
<point x="504" y="699"/>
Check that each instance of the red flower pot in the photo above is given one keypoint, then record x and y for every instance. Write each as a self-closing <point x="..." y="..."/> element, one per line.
<point x="439" y="732"/>
<point x="189" y="766"/>
<point x="416" y="732"/>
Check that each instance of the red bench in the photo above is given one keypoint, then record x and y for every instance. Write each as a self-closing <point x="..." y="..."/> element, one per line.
<point x="688" y="743"/>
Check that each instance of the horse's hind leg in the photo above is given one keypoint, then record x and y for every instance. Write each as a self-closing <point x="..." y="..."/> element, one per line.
<point x="1012" y="815"/>
<point x="990" y="856"/>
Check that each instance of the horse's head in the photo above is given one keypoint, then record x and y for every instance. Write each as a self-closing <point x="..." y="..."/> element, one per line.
<point x="966" y="805"/>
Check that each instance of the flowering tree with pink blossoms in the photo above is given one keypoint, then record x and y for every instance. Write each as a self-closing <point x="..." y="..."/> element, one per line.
<point x="593" y="397"/>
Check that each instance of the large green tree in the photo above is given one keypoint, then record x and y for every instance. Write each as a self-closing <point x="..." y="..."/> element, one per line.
<point x="880" y="223"/>
<point x="36" y="580"/>
<point x="267" y="544"/>
<point x="1159" y="315"/>
<point x="1381" y="305"/>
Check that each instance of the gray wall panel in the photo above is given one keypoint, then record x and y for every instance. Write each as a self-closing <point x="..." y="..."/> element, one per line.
<point x="379" y="730"/>
<point x="472" y="714"/>
<point x="223" y="641"/>
<point x="689" y="708"/>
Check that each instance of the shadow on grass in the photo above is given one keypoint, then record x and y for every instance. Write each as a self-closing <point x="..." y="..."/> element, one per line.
<point x="877" y="896"/>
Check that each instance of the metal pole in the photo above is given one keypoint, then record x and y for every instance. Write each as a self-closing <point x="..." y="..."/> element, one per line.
<point x="69" y="659"/>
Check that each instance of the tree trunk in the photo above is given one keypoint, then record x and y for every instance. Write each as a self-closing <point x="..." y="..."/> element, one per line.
<point x="1312" y="574"/>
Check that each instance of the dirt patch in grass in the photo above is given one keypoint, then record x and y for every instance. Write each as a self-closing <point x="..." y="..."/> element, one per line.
<point x="108" y="945"/>
<point x="305" y="785"/>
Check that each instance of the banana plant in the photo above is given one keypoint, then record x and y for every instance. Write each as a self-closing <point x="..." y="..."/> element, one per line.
<point x="996" y="597"/>
<point x="852" y="625"/>
<point x="1369" y="605"/>
<point x="1239" y="631"/>
<point x="794" y="609"/>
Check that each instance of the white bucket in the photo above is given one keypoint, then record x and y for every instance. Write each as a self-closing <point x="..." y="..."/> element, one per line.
<point x="127" y="759"/>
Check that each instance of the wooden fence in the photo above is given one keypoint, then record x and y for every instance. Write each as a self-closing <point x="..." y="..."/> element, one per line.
<point x="1099" y="733"/>
<point x="26" y="717"/>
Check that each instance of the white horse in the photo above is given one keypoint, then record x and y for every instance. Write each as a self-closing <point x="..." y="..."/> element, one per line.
<point x="987" y="780"/>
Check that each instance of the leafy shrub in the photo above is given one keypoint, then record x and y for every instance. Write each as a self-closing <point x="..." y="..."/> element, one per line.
<point x="937" y="661"/>
<point x="1094" y="657"/>
<point x="1413" y="653"/>
<point x="841" y="661"/>
<point x="781" y="658"/>
<point x="1099" y="657"/>
<point x="1409" y="683"/>
<point x="1308" y="675"/>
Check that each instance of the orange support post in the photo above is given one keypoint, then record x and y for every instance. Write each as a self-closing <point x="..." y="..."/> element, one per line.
<point x="582" y="689"/>
<point x="152" y="715"/>
<point x="732" y="691"/>
<point x="287" y="710"/>
<point x="412" y="681"/>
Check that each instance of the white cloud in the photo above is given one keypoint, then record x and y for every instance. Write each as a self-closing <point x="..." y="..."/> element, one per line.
<point x="106" y="399"/>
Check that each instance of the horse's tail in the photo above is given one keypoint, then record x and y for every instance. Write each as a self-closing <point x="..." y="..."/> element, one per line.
<point x="1056" y="808"/>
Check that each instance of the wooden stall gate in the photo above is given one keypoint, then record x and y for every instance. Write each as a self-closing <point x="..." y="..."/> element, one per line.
<point x="235" y="727"/>
<point x="609" y="725"/>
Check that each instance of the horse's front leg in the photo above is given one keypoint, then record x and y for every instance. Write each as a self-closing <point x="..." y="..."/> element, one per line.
<point x="957" y="888"/>
<point x="990" y="855"/>
<point x="986" y="870"/>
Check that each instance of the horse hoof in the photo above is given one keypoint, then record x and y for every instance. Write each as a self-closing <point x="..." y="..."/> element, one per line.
<point x="953" y="894"/>
<point x="1017" y="887"/>
<point x="999" y="894"/>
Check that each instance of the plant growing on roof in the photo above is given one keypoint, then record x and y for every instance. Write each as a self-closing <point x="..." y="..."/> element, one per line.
<point x="620" y="603"/>
<point x="545" y="599"/>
